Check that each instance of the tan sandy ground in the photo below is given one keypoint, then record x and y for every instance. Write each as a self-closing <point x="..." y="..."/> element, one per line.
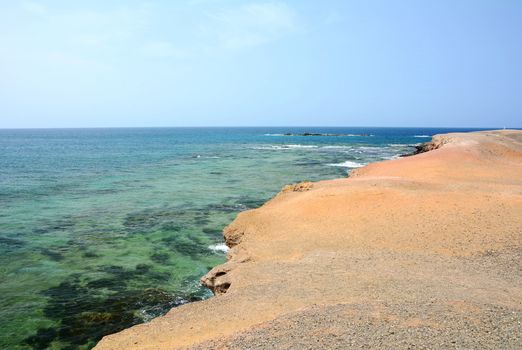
<point x="418" y="252"/>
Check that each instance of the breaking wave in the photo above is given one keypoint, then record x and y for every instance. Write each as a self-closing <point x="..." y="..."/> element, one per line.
<point x="348" y="164"/>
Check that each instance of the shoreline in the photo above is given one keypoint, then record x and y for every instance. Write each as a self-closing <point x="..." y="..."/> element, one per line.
<point x="430" y="236"/>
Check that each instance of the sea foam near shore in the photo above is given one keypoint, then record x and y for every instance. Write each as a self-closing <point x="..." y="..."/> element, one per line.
<point x="348" y="164"/>
<point x="218" y="248"/>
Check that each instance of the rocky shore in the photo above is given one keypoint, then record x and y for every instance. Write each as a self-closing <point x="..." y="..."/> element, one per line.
<point x="418" y="252"/>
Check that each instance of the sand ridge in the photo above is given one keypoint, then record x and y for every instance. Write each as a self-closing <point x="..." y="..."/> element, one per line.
<point x="422" y="251"/>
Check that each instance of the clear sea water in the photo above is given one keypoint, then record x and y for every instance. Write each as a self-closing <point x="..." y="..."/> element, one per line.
<point x="101" y="229"/>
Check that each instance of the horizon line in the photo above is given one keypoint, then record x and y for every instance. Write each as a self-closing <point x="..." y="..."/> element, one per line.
<point x="258" y="126"/>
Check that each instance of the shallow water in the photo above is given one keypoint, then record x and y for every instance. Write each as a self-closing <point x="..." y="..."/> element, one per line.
<point x="101" y="229"/>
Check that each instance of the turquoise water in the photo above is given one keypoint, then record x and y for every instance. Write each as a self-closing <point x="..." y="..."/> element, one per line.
<point x="101" y="229"/>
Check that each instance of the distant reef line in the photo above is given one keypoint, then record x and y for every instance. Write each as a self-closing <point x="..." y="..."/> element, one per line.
<point x="319" y="134"/>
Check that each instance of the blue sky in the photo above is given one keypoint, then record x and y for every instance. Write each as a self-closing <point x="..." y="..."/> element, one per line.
<point x="226" y="62"/>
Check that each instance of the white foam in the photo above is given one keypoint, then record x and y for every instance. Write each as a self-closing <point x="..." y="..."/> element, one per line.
<point x="198" y="156"/>
<point x="369" y="148"/>
<point x="218" y="248"/>
<point x="348" y="164"/>
<point x="300" y="146"/>
<point x="320" y="134"/>
<point x="395" y="156"/>
<point x="282" y="147"/>
<point x="421" y="136"/>
<point x="339" y="147"/>
<point x="269" y="148"/>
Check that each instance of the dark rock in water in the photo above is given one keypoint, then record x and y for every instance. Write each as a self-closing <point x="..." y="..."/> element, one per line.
<point x="149" y="219"/>
<point x="11" y="242"/>
<point x="62" y="224"/>
<point x="41" y="231"/>
<point x="90" y="254"/>
<point x="43" y="338"/>
<point x="212" y="231"/>
<point x="106" y="191"/>
<point x="199" y="294"/>
<point x="171" y="227"/>
<point x="85" y="312"/>
<point x="160" y="258"/>
<point x="143" y="268"/>
<point x="412" y="153"/>
<point x="190" y="245"/>
<point x="201" y="222"/>
<point x="308" y="162"/>
<point x="53" y="255"/>
<point x="110" y="283"/>
<point x="426" y="147"/>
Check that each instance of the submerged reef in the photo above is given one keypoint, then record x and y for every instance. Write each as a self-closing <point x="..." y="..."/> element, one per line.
<point x="106" y="305"/>
<point x="107" y="298"/>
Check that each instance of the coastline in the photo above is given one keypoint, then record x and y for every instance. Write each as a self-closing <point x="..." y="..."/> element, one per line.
<point x="403" y="250"/>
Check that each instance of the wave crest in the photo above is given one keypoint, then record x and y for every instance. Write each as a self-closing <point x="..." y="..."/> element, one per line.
<point x="348" y="164"/>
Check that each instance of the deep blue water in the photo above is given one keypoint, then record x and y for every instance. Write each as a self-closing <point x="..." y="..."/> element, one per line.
<point x="101" y="229"/>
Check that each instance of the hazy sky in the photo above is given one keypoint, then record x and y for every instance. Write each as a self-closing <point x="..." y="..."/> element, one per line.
<point x="224" y="62"/>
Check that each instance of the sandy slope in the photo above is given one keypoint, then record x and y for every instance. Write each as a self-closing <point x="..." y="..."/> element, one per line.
<point x="423" y="252"/>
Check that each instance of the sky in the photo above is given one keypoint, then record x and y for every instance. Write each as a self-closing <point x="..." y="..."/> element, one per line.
<point x="132" y="63"/>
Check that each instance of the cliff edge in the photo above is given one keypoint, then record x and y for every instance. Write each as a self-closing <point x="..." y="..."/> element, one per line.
<point x="423" y="251"/>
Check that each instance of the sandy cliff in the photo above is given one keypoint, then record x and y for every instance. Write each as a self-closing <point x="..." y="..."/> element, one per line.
<point x="421" y="251"/>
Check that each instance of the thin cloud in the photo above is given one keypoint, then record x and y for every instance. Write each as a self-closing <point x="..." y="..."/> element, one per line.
<point x="70" y="61"/>
<point x="164" y="49"/>
<point x="333" y="17"/>
<point x="251" y="24"/>
<point x="34" y="7"/>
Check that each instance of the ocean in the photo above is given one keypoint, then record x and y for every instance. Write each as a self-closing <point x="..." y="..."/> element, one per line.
<point x="101" y="229"/>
